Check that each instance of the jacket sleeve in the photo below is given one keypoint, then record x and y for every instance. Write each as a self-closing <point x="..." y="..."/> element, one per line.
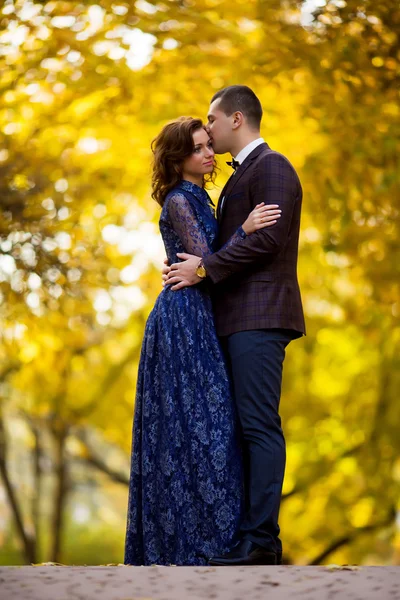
<point x="274" y="182"/>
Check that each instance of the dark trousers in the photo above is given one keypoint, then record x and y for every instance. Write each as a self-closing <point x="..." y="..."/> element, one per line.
<point x="256" y="359"/>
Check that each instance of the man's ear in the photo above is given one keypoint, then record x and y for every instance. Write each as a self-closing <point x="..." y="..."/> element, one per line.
<point x="237" y="119"/>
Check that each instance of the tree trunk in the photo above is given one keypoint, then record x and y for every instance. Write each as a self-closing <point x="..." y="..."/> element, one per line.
<point x="37" y="491"/>
<point x="28" y="543"/>
<point x="60" y="435"/>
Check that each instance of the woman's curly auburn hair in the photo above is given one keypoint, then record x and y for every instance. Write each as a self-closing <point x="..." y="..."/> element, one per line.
<point x="170" y="148"/>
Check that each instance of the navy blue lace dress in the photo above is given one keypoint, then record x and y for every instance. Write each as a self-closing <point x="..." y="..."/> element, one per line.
<point x="186" y="491"/>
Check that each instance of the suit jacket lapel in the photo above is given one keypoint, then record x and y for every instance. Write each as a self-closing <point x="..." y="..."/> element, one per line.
<point x="236" y="177"/>
<point x="221" y="197"/>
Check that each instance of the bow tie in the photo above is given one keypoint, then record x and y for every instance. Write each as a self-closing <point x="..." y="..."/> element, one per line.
<point x="234" y="164"/>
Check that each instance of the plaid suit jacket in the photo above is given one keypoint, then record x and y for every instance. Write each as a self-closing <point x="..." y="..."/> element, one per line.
<point x="255" y="279"/>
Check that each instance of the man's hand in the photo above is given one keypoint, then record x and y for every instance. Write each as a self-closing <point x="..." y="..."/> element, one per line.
<point x="183" y="274"/>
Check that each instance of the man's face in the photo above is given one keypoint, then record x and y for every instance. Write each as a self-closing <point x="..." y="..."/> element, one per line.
<point x="219" y="128"/>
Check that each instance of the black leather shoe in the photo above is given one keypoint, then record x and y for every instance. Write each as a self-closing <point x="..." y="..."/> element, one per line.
<point x="245" y="553"/>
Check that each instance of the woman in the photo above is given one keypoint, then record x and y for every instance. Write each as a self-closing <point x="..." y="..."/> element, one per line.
<point x="185" y="499"/>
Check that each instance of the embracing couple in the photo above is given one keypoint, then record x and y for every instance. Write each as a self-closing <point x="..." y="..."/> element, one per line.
<point x="208" y="455"/>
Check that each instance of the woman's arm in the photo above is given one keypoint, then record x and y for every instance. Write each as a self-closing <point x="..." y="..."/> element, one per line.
<point x="186" y="225"/>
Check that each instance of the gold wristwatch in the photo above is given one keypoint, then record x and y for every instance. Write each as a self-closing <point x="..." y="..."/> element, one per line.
<point x="201" y="270"/>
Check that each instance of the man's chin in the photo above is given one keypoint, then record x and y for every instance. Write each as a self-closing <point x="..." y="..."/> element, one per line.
<point x="219" y="150"/>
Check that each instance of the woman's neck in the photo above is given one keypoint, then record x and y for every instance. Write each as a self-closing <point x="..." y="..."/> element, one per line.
<point x="193" y="179"/>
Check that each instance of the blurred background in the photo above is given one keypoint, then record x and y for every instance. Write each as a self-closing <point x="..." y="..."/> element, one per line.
<point x="84" y="88"/>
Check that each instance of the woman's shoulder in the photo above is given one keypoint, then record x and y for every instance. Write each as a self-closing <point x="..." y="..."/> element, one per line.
<point x="176" y="201"/>
<point x="186" y="194"/>
<point x="177" y="190"/>
<point x="176" y="196"/>
<point x="187" y="189"/>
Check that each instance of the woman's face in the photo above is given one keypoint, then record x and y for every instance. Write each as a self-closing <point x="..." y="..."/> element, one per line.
<point x="201" y="161"/>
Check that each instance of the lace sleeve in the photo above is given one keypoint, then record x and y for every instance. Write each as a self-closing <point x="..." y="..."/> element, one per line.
<point x="187" y="226"/>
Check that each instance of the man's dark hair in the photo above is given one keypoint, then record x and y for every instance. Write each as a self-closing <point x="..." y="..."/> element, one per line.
<point x="240" y="98"/>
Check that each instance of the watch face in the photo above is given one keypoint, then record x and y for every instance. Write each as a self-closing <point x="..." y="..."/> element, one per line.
<point x="201" y="272"/>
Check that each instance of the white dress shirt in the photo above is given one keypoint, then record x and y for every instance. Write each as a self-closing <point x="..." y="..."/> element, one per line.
<point x="244" y="153"/>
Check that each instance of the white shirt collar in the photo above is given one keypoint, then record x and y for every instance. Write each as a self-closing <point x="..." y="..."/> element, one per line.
<point x="244" y="153"/>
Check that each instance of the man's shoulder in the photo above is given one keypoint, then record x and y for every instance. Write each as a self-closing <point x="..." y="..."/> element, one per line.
<point x="270" y="162"/>
<point x="268" y="156"/>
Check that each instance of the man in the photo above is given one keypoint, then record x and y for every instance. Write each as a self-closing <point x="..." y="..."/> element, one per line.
<point x="258" y="308"/>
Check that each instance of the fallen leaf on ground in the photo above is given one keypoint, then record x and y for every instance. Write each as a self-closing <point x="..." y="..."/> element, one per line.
<point x="48" y="564"/>
<point x="343" y="568"/>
